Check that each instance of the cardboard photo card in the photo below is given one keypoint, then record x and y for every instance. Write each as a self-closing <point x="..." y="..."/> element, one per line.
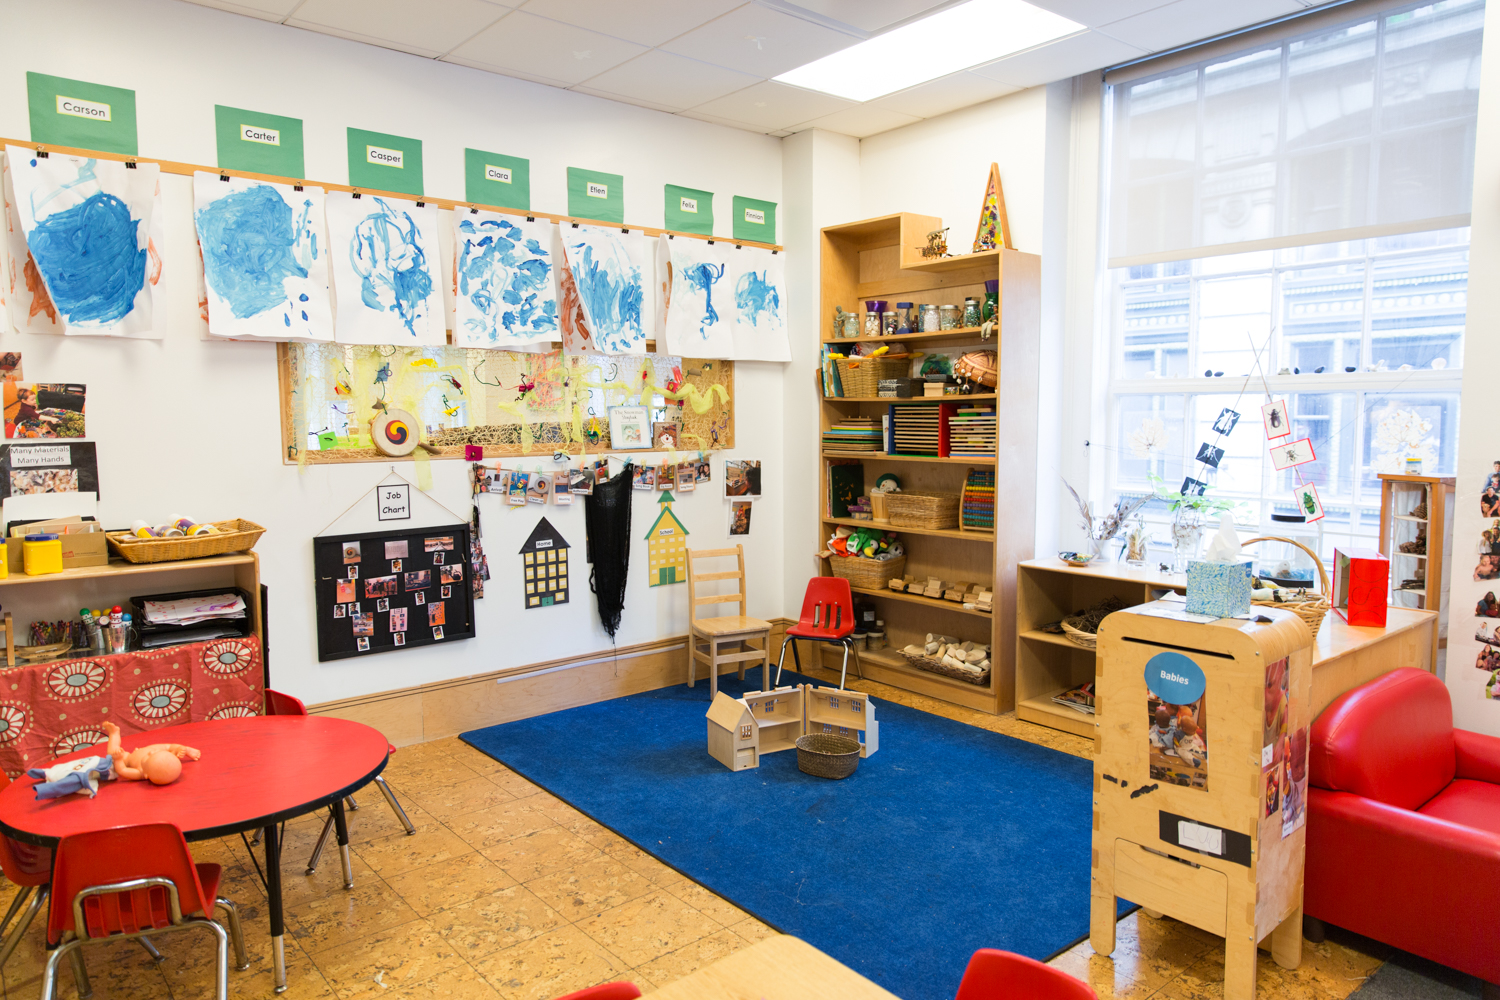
<point x="43" y="409"/>
<point x="703" y="471"/>
<point x="1278" y="424"/>
<point x="399" y="638"/>
<point x="364" y="624"/>
<point x="666" y="477"/>
<point x="644" y="477"/>
<point x="515" y="495"/>
<point x="1292" y="454"/>
<point x="396" y="550"/>
<point x="380" y="586"/>
<point x="1210" y="455"/>
<point x="397" y="621"/>
<point x="384" y="604"/>
<point x="10" y="366"/>
<point x="437" y="633"/>
<point x="601" y="471"/>
<point x="51" y="467"/>
<point x="362" y="644"/>
<point x="451" y="573"/>
<point x="351" y="553"/>
<point x="562" y="489"/>
<point x="739" y="517"/>
<point x="665" y="435"/>
<point x="742" y="477"/>
<point x="437" y="613"/>
<point x="1225" y="421"/>
<point x="354" y="572"/>
<point x="338" y="611"/>
<point x="418" y="580"/>
<point x="581" y="481"/>
<point x="343" y="591"/>
<point x="1308" y="503"/>
<point x="539" y="490"/>
<point x="446" y="592"/>
<point x="687" y="479"/>
<point x="421" y="597"/>
<point x="441" y="543"/>
<point x="438" y="558"/>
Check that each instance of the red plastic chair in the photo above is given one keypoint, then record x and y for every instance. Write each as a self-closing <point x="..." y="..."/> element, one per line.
<point x="1003" y="975"/>
<point x="608" y="991"/>
<point x="284" y="704"/>
<point x="29" y="867"/>
<point x="129" y="882"/>
<point x="827" y="616"/>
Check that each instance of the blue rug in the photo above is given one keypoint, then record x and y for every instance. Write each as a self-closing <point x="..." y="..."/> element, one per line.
<point x="947" y="840"/>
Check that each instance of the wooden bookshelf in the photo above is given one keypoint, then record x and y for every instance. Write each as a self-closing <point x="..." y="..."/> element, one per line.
<point x="879" y="259"/>
<point x="1399" y="496"/>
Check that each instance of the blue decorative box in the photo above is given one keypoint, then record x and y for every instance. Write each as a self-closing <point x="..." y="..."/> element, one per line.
<point x="1221" y="589"/>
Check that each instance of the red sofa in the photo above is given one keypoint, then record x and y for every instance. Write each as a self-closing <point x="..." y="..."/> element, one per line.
<point x="1403" y="824"/>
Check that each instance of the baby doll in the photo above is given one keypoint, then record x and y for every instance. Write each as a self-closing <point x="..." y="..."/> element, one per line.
<point x="1185" y="743"/>
<point x="1161" y="727"/>
<point x="159" y="763"/>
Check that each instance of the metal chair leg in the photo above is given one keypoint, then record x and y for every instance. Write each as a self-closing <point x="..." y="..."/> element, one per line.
<point x="843" y="673"/>
<point x="255" y="840"/>
<point x="15" y="907"/>
<point x="858" y="670"/>
<point x="81" y="975"/>
<point x="236" y="933"/>
<point x="390" y="797"/>
<point x="317" y="854"/>
<point x="780" y="658"/>
<point x="49" y="971"/>
<point x="156" y="956"/>
<point x="222" y="965"/>
<point x="350" y="804"/>
<point x="37" y="902"/>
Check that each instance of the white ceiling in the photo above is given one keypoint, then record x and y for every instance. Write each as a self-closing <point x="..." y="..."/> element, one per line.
<point x="713" y="59"/>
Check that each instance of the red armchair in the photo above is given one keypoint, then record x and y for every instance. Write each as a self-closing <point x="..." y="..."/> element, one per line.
<point x="1403" y="824"/>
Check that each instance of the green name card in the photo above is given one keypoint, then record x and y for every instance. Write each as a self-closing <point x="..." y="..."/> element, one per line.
<point x="384" y="162"/>
<point x="258" y="142"/>
<point x="754" y="220"/>
<point x="594" y="195"/>
<point x="86" y="115"/>
<point x="497" y="179"/>
<point x="689" y="210"/>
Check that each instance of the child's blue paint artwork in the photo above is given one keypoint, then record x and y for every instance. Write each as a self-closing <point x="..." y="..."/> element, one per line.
<point x="759" y="326"/>
<point x="606" y="266"/>
<point x="386" y="271"/>
<point x="89" y="227"/>
<point x="698" y="297"/>
<point x="507" y="282"/>
<point x="265" y="259"/>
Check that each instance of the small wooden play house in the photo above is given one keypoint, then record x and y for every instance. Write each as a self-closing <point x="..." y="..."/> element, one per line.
<point x="842" y="713"/>
<point x="733" y="735"/>
<point x="666" y="544"/>
<point x="544" y="560"/>
<point x="779" y="716"/>
<point x="740" y="730"/>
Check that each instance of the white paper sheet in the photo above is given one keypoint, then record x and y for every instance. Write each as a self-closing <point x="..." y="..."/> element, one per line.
<point x="387" y="271"/>
<point x="507" y="282"/>
<point x="697" y="294"/>
<point x="607" y="268"/>
<point x="757" y="296"/>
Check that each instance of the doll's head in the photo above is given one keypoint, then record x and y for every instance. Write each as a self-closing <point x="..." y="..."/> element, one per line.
<point x="161" y="768"/>
<point x="1163" y="717"/>
<point x="1188" y="727"/>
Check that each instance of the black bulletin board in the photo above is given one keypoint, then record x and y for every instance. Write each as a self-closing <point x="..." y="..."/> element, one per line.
<point x="404" y="590"/>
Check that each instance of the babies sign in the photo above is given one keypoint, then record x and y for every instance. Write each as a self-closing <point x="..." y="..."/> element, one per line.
<point x="1179" y="720"/>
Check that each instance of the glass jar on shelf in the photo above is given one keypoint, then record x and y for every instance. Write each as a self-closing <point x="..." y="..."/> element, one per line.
<point x="971" y="313"/>
<point x="905" y="318"/>
<point x="1279" y="564"/>
<point x="929" y="319"/>
<point x="948" y="317"/>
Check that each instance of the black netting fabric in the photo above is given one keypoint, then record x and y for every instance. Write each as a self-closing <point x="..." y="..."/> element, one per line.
<point x="606" y="515"/>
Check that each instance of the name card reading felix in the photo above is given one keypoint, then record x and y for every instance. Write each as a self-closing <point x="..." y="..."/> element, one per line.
<point x="394" y="502"/>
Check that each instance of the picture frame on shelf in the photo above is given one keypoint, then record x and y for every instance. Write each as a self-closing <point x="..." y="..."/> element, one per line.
<point x="629" y="428"/>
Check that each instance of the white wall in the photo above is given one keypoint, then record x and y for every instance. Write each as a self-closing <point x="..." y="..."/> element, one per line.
<point x="193" y="426"/>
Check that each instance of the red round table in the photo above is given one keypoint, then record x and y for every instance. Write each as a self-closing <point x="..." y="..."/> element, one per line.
<point x="255" y="772"/>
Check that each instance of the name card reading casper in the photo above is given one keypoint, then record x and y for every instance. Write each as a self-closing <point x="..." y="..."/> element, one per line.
<point x="394" y="502"/>
<point x="381" y="156"/>
<point x="264" y="136"/>
<point x="79" y="108"/>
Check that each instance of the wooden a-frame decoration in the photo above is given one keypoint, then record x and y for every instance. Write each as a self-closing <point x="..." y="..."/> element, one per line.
<point x="994" y="225"/>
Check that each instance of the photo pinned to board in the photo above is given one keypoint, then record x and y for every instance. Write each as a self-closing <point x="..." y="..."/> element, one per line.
<point x="539" y="489"/>
<point x="739" y="516"/>
<point x="741" y="477"/>
<point x="1293" y="454"/>
<point x="1210" y="455"/>
<point x="396" y="565"/>
<point x="1308" y="502"/>
<point x="338" y="611"/>
<point x="398" y="620"/>
<point x="666" y="477"/>
<point x="1225" y="421"/>
<point x="1488" y="633"/>
<point x="344" y="591"/>
<point x="351" y="553"/>
<point x="399" y="638"/>
<point x="1489" y="495"/>
<point x="1488" y="659"/>
<point x="644" y="477"/>
<point x="362" y="644"/>
<point x="1277" y="423"/>
<point x="395" y="550"/>
<point x="687" y="479"/>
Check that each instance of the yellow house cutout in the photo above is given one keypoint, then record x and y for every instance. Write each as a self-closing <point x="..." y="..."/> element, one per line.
<point x="666" y="544"/>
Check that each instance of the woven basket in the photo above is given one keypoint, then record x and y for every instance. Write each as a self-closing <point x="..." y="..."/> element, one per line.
<point x="869" y="574"/>
<point x="936" y="666"/>
<point x="923" y="510"/>
<point x="861" y="376"/>
<point x="1077" y="636"/>
<point x="824" y="755"/>
<point x="1311" y="612"/>
<point x="237" y="535"/>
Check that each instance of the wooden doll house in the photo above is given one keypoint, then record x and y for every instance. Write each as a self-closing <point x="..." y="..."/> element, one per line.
<point x="843" y="713"/>
<point x="740" y="730"/>
<point x="780" y="716"/>
<point x="733" y="734"/>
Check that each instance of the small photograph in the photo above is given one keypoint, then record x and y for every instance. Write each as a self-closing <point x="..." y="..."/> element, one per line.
<point x="703" y="472"/>
<point x="1277" y="423"/>
<point x="384" y="604"/>
<point x="629" y="428"/>
<point x="43" y="410"/>
<point x="1488" y="633"/>
<point x="436" y="614"/>
<point x="438" y="558"/>
<point x="354" y="608"/>
<point x="443" y="543"/>
<point x="666" y="477"/>
<point x="395" y="565"/>
<point x="1488" y="568"/>
<point x="362" y="644"/>
<point x="665" y="434"/>
<point x="447" y="592"/>
<point x="739" y="517"/>
<point x="687" y="479"/>
<point x="742" y="477"/>
<point x="10" y="366"/>
<point x="538" y="490"/>
<point x="1192" y="487"/>
<point x="451" y="573"/>
<point x="364" y="624"/>
<point x="351" y="553"/>
<point x="1292" y="454"/>
<point x="396" y="550"/>
<point x="1489" y="540"/>
<point x="420" y="580"/>
<point x="601" y="471"/>
<point x="644" y="478"/>
<point x="354" y="572"/>
<point x="562" y="489"/>
<point x="398" y="620"/>
<point x="380" y="586"/>
<point x="1209" y="455"/>
<point x="26" y="482"/>
<point x="581" y="481"/>
<point x="1308" y="502"/>
<point x="515" y="494"/>
<point x="437" y="633"/>
<point x="1488" y="606"/>
<point x="399" y="638"/>
<point x="1176" y="748"/>
<point x="421" y="597"/>
<point x="344" y="591"/>
<point x="1489" y="495"/>
<point x="1226" y="420"/>
<point x="338" y="611"/>
<point x="1488" y="659"/>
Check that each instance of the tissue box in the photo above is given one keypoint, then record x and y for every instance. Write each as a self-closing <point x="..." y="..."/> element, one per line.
<point x="1221" y="589"/>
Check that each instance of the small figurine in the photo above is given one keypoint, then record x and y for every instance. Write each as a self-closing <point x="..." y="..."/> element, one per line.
<point x="159" y="763"/>
<point x="937" y="244"/>
<point x="81" y="777"/>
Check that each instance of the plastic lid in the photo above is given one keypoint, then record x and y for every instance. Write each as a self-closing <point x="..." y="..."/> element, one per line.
<point x="41" y="538"/>
<point x="1289" y="518"/>
<point x="903" y="305"/>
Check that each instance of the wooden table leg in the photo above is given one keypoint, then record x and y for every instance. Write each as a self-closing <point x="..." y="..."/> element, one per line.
<point x="1102" y="905"/>
<point x="1240" y="943"/>
<point x="273" y="894"/>
<point x="1286" y="941"/>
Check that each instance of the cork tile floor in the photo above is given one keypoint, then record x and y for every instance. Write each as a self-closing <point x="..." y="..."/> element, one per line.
<point x="508" y="892"/>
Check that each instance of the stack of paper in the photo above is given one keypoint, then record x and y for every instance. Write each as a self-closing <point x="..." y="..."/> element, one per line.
<point x="192" y="610"/>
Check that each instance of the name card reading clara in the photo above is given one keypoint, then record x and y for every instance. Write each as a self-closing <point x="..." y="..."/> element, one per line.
<point x="381" y="156"/>
<point x="264" y="136"/>
<point x="78" y="108"/>
<point x="597" y="190"/>
<point x="394" y="502"/>
<point x="500" y="175"/>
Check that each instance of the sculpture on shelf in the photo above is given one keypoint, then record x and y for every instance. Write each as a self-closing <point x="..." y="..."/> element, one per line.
<point x="937" y="245"/>
<point x="158" y="763"/>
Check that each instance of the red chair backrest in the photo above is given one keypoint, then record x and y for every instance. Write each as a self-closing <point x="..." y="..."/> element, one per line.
<point x="283" y="704"/>
<point x="828" y="603"/>
<point x="1390" y="740"/>
<point x="104" y="857"/>
<point x="1002" y="975"/>
<point x="608" y="991"/>
<point x="24" y="864"/>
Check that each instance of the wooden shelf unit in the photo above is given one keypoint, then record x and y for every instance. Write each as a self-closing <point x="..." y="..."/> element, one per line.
<point x="1399" y="496"/>
<point x="879" y="259"/>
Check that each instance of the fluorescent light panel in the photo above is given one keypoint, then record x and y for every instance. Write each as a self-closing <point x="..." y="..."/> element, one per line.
<point x="970" y="34"/>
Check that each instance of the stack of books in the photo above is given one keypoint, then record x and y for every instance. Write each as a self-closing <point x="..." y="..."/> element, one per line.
<point x="1080" y="698"/>
<point x="853" y="434"/>
<point x="971" y="432"/>
<point x="978" y="509"/>
<point x="915" y="429"/>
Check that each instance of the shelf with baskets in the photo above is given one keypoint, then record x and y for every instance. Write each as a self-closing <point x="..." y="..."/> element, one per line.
<point x="1418" y="511"/>
<point x="877" y="259"/>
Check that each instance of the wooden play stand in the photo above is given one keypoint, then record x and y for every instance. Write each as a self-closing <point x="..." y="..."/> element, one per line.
<point x="1252" y="886"/>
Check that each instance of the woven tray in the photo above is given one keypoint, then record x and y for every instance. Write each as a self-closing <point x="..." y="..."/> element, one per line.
<point x="824" y="755"/>
<point x="861" y="376"/>
<point x="916" y="509"/>
<point x="870" y="574"/>
<point x="1077" y="636"/>
<point x="936" y="666"/>
<point x="1311" y="612"/>
<point x="236" y="535"/>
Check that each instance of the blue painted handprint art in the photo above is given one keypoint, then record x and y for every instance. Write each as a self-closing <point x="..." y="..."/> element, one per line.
<point x="507" y="282"/>
<point x="386" y="273"/>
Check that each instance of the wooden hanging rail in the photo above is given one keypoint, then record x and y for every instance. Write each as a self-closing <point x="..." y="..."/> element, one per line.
<point x="188" y="169"/>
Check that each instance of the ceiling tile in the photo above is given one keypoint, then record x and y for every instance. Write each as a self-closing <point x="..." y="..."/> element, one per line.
<point x="865" y="15"/>
<point x="947" y="93"/>
<point x="1059" y="60"/>
<point x="1097" y="12"/>
<point x="523" y="43"/>
<point x="582" y="89"/>
<point x="1192" y="20"/>
<point x="515" y="73"/>
<point x="860" y="121"/>
<point x="668" y="80"/>
<point x="773" y="106"/>
<point x="648" y="24"/>
<point x="266" y="10"/>
<point x="727" y="122"/>
<point x="392" y="23"/>
<point x="758" y="40"/>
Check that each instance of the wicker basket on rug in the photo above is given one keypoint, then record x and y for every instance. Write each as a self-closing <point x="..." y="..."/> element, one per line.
<point x="825" y="755"/>
<point x="1313" y="611"/>
<point x="936" y="666"/>
<point x="237" y="535"/>
<point x="867" y="574"/>
<point x="861" y="376"/>
<point x="916" y="509"/>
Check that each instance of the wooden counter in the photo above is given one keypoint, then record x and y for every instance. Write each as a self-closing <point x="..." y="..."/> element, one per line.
<point x="1345" y="656"/>
<point x="779" y="968"/>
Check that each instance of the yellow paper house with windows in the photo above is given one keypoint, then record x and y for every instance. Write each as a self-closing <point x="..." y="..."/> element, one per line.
<point x="544" y="563"/>
<point x="666" y="544"/>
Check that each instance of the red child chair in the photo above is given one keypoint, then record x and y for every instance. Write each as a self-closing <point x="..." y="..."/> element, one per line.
<point x="608" y="991"/>
<point x="1002" y="975"/>
<point x="29" y="867"/>
<point x="827" y="616"/>
<point x="129" y="882"/>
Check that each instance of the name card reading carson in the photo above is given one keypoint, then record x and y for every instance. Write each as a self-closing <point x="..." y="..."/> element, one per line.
<point x="395" y="502"/>
<point x="83" y="109"/>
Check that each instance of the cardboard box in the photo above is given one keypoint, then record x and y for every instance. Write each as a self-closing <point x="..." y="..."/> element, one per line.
<point x="1221" y="589"/>
<point x="78" y="551"/>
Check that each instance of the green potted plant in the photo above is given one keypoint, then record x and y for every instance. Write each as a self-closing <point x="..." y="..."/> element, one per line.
<point x="1189" y="511"/>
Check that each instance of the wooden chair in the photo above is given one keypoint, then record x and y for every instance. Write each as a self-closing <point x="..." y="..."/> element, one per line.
<point x="725" y="639"/>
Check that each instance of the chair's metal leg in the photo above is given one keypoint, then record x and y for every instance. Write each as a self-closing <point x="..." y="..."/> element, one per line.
<point x="81" y="975"/>
<point x="255" y="840"/>
<point x="796" y="659"/>
<point x="844" y="672"/>
<point x="37" y="902"/>
<point x="779" y="660"/>
<point x="390" y="797"/>
<point x="317" y="854"/>
<point x="49" y="971"/>
<point x="350" y="804"/>
<point x="15" y="907"/>
<point x="858" y="670"/>
<point x="236" y="933"/>
<point x="341" y="832"/>
<point x="156" y="956"/>
<point x="222" y="965"/>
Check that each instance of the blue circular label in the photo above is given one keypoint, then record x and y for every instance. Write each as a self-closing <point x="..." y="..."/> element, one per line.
<point x="1175" y="679"/>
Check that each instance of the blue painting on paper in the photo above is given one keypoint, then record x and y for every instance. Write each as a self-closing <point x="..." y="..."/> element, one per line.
<point x="756" y="298"/>
<point x="386" y="274"/>
<point x="760" y="330"/>
<point x="606" y="268"/>
<point x="698" y="297"/>
<point x="507" y="282"/>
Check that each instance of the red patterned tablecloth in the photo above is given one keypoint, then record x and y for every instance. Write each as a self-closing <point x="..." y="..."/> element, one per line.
<point x="55" y="708"/>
